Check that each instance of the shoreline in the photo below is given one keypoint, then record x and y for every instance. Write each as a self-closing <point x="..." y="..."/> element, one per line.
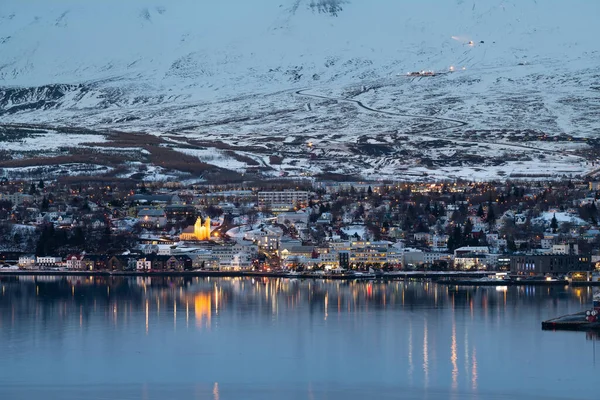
<point x="276" y="274"/>
<point x="461" y="278"/>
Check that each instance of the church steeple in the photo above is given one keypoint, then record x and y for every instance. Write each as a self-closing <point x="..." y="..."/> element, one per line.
<point x="201" y="230"/>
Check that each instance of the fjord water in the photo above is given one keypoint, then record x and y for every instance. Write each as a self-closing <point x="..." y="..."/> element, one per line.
<point x="243" y="338"/>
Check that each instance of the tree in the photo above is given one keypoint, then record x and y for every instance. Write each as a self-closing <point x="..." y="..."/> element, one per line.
<point x="45" y="204"/>
<point x="32" y="189"/>
<point x="41" y="184"/>
<point x="468" y="229"/>
<point x="491" y="216"/>
<point x="6" y="205"/>
<point x="252" y="215"/>
<point x="480" y="212"/>
<point x="554" y="224"/>
<point x="77" y="237"/>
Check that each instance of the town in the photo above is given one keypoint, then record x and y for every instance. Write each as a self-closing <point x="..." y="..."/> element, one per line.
<point x="301" y="226"/>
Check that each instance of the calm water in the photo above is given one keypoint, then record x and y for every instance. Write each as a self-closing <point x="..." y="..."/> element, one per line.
<point x="158" y="338"/>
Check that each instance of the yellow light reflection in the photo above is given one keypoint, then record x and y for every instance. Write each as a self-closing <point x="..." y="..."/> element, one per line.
<point x="202" y="308"/>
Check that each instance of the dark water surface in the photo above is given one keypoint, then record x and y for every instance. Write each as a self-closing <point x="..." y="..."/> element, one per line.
<point x="234" y="338"/>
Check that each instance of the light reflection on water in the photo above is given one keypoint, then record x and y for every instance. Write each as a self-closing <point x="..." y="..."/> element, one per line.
<point x="278" y="338"/>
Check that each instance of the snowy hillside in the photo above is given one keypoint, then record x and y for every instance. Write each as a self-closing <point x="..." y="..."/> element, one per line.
<point x="230" y="70"/>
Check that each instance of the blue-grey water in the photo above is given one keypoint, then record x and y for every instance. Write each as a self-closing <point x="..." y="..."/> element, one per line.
<point x="234" y="338"/>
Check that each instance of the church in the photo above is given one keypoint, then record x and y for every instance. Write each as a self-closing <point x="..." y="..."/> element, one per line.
<point x="199" y="231"/>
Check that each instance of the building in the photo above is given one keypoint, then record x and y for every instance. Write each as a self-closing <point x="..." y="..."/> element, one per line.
<point x="292" y="218"/>
<point x="143" y="264"/>
<point x="267" y="238"/>
<point x="152" y="217"/>
<point x="471" y="250"/>
<point x="27" y="262"/>
<point x="237" y="256"/>
<point x="48" y="262"/>
<point x="552" y="264"/>
<point x="176" y="212"/>
<point x="282" y="201"/>
<point x="410" y="257"/>
<point x="205" y="260"/>
<point x="569" y="248"/>
<point x="17" y="199"/>
<point x="74" y="262"/>
<point x="475" y="261"/>
<point x="199" y="231"/>
<point x="155" y="198"/>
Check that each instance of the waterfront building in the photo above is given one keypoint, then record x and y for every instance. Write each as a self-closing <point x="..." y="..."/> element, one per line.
<point x="27" y="261"/>
<point x="475" y="261"/>
<point x="48" y="262"/>
<point x="554" y="264"/>
<point x="236" y="256"/>
<point x="74" y="262"/>
<point x="471" y="250"/>
<point x="205" y="259"/>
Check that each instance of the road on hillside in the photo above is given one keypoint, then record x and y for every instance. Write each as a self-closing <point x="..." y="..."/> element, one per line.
<point x="457" y="124"/>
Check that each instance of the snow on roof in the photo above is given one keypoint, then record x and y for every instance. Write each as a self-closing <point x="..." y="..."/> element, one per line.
<point x="562" y="217"/>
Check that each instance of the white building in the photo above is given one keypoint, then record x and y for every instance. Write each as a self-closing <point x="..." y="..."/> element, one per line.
<point x="282" y="201"/>
<point x="237" y="256"/>
<point x="293" y="218"/>
<point x="547" y="242"/>
<point x="165" y="249"/>
<point x="205" y="259"/>
<point x="46" y="262"/>
<point x="439" y="243"/>
<point x="565" y="249"/>
<point x="16" y="199"/>
<point x="143" y="264"/>
<point x="417" y="257"/>
<point x="27" y="262"/>
<point x="152" y="217"/>
<point x="267" y="238"/>
<point x="471" y="250"/>
<point x="74" y="262"/>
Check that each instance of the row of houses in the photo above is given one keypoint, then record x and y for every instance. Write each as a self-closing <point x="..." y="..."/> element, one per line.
<point x="233" y="256"/>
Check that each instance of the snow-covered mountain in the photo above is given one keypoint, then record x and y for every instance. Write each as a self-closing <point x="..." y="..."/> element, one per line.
<point x="208" y="45"/>
<point x="194" y="66"/>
